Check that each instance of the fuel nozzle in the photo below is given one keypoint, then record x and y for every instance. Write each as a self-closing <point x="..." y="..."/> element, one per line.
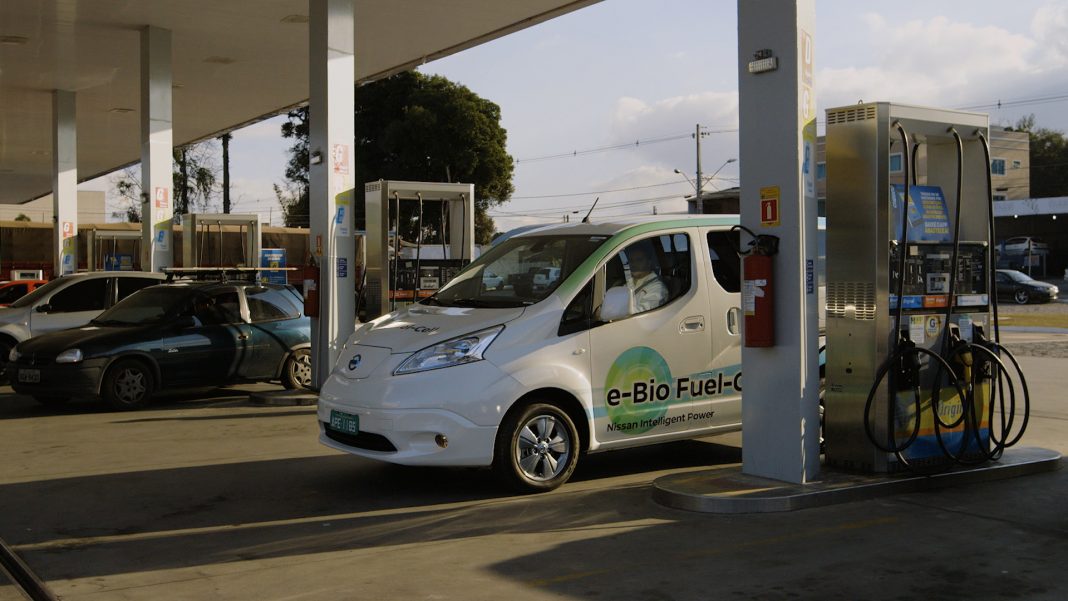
<point x="983" y="363"/>
<point x="963" y="360"/>
<point x="907" y="373"/>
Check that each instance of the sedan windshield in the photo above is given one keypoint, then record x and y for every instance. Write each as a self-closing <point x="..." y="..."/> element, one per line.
<point x="40" y="292"/>
<point x="518" y="272"/>
<point x="149" y="305"/>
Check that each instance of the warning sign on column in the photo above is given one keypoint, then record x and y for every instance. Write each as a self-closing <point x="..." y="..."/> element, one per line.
<point x="769" y="206"/>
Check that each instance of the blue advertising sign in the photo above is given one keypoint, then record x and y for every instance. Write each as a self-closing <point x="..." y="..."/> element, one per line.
<point x="272" y="260"/>
<point x="118" y="262"/>
<point x="928" y="215"/>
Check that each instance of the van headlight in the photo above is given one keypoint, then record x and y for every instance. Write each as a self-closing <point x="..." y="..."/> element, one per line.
<point x="14" y="355"/>
<point x="457" y="351"/>
<point x="71" y="355"/>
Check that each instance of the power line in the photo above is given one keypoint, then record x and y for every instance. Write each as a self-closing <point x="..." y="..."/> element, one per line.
<point x="625" y="146"/>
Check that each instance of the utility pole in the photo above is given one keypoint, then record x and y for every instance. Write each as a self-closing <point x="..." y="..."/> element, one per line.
<point x="695" y="206"/>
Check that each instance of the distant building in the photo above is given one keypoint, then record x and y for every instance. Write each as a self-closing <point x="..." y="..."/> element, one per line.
<point x="91" y="209"/>
<point x="720" y="202"/>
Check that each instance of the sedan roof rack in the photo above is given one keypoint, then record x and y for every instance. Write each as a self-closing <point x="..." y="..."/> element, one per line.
<point x="222" y="274"/>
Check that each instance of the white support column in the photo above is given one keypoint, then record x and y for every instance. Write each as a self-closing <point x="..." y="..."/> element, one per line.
<point x="157" y="143"/>
<point x="778" y="138"/>
<point x="64" y="182"/>
<point x="330" y="186"/>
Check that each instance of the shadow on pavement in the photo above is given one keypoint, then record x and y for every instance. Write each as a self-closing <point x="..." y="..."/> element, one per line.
<point x="173" y="518"/>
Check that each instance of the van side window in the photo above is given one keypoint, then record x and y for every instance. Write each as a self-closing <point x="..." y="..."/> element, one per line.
<point x="726" y="265"/>
<point x="579" y="313"/>
<point x="655" y="271"/>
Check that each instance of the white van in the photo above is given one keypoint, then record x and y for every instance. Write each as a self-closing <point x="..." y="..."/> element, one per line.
<point x="636" y="342"/>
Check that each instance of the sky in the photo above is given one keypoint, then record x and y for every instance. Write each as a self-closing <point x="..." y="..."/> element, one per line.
<point x="627" y="71"/>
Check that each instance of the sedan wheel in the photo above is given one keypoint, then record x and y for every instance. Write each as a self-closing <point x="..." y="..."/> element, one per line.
<point x="297" y="372"/>
<point x="127" y="385"/>
<point x="1021" y="297"/>
<point x="537" y="448"/>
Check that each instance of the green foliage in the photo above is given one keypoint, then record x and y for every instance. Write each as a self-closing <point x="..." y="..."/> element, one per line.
<point x="1049" y="159"/>
<point x="194" y="181"/>
<point x="416" y="127"/>
<point x="22" y="217"/>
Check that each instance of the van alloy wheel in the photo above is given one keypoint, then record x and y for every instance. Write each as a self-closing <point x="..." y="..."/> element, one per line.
<point x="537" y="448"/>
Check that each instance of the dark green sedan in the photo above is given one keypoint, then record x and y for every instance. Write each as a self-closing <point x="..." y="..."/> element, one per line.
<point x="171" y="336"/>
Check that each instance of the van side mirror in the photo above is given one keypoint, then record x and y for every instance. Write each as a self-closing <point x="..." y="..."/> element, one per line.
<point x="45" y="308"/>
<point x="616" y="303"/>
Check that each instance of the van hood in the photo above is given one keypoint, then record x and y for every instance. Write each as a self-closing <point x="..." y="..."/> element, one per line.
<point x="420" y="326"/>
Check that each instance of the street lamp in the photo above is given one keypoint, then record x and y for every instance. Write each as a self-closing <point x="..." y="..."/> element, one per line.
<point x="678" y="171"/>
<point x="699" y="183"/>
<point x="716" y="172"/>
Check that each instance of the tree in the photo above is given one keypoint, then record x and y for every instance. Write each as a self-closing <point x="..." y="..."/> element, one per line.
<point x="417" y="127"/>
<point x="1049" y="159"/>
<point x="194" y="182"/>
<point x="22" y="217"/>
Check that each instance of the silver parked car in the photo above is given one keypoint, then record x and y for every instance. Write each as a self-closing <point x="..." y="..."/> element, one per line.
<point x="68" y="301"/>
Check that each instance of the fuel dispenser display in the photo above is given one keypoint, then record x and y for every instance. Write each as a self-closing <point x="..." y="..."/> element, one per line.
<point x="419" y="236"/>
<point x="914" y="378"/>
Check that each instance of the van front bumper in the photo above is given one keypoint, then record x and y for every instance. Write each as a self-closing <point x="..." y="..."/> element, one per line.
<point x="410" y="436"/>
<point x="445" y="417"/>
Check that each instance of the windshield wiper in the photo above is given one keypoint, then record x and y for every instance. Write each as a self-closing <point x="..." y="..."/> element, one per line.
<point x="501" y="303"/>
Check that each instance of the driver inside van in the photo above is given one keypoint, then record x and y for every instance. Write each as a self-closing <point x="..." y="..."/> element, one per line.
<point x="647" y="289"/>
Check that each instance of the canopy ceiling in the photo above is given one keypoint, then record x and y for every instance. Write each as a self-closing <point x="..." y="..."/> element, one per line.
<point x="234" y="62"/>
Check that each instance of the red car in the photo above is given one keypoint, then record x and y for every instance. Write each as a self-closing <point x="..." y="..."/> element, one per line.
<point x="14" y="290"/>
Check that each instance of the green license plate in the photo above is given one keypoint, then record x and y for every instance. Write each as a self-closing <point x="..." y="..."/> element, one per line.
<point x="344" y="422"/>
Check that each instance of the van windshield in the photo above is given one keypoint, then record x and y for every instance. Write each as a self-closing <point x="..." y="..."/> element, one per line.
<point x="518" y="272"/>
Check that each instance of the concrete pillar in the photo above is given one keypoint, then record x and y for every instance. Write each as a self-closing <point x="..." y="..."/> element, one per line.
<point x="64" y="182"/>
<point x="330" y="144"/>
<point x="777" y="118"/>
<point x="157" y="143"/>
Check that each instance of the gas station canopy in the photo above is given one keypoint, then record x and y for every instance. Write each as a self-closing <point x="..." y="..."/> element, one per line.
<point x="234" y="62"/>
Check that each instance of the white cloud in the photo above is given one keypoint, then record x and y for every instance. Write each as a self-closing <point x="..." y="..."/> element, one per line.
<point x="938" y="62"/>
<point x="1050" y="26"/>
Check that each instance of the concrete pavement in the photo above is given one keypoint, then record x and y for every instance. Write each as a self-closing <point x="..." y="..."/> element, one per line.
<point x="219" y="498"/>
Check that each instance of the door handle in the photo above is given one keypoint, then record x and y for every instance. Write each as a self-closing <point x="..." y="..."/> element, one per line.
<point x="242" y="336"/>
<point x="692" y="324"/>
<point x="733" y="317"/>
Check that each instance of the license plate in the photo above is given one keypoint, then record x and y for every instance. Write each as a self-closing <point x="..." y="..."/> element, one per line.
<point x="344" y="422"/>
<point x="30" y="376"/>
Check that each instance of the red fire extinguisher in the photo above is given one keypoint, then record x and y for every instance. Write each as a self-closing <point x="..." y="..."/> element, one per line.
<point x="758" y="291"/>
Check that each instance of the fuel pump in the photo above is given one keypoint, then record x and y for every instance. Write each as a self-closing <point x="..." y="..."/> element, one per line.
<point x="402" y="269"/>
<point x="912" y="379"/>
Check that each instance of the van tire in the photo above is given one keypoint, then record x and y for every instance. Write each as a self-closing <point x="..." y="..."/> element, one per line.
<point x="537" y="448"/>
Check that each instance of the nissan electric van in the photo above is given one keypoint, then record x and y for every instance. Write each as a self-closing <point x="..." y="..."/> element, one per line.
<point x="627" y="335"/>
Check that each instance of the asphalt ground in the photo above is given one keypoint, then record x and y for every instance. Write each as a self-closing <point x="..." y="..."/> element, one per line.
<point x="214" y="497"/>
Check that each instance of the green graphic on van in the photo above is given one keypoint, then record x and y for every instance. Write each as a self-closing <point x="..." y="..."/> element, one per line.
<point x="639" y="389"/>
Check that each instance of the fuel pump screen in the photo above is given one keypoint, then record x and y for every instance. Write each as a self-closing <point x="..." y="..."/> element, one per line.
<point x="927" y="272"/>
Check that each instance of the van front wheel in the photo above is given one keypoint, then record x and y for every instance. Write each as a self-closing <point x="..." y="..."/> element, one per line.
<point x="537" y="448"/>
